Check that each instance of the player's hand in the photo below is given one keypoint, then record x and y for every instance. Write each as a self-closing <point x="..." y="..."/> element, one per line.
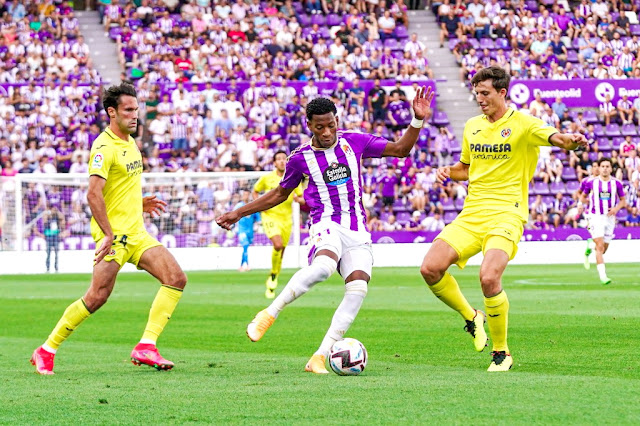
<point x="443" y="173"/>
<point x="227" y="220"/>
<point x="422" y="102"/>
<point x="103" y="250"/>
<point x="153" y="205"/>
<point x="579" y="138"/>
<point x="612" y="212"/>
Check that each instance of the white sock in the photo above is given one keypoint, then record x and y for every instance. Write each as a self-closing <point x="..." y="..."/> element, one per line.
<point x="354" y="294"/>
<point x="320" y="269"/>
<point x="601" y="271"/>
<point x="148" y="342"/>
<point x="49" y="349"/>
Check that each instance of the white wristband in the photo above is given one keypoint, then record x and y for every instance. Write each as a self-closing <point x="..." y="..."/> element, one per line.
<point x="417" y="123"/>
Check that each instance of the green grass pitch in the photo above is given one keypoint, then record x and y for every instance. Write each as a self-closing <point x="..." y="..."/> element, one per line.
<point x="575" y="345"/>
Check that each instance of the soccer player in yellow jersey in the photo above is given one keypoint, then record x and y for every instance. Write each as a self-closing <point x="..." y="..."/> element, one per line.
<point x="277" y="221"/>
<point x="499" y="155"/>
<point x="115" y="198"/>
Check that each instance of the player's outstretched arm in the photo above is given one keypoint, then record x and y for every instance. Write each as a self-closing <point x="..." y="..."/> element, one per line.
<point x="457" y="172"/>
<point x="421" y="108"/>
<point x="267" y="201"/>
<point x="99" y="212"/>
<point x="569" y="141"/>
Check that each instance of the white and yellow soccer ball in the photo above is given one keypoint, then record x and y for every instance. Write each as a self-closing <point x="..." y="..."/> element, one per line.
<point x="348" y="357"/>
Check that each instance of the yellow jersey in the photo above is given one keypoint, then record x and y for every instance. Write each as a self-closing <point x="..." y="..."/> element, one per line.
<point x="283" y="211"/>
<point x="502" y="158"/>
<point x="118" y="162"/>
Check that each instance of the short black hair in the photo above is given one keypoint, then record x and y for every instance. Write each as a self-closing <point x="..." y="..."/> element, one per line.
<point x="111" y="96"/>
<point x="275" y="154"/>
<point x="498" y="76"/>
<point x="603" y="160"/>
<point x="320" y="106"/>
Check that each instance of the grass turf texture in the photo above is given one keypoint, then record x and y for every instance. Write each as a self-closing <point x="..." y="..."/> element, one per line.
<point x="574" y="343"/>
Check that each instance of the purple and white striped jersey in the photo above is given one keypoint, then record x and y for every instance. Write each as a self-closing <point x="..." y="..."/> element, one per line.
<point x="603" y="196"/>
<point x="335" y="180"/>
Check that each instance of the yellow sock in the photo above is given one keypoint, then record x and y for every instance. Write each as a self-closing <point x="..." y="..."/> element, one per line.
<point x="161" y="310"/>
<point x="498" y="319"/>
<point x="71" y="319"/>
<point x="276" y="261"/>
<point x="448" y="291"/>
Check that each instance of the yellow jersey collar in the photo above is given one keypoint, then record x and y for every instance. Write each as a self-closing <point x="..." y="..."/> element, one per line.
<point x="113" y="136"/>
<point x="507" y="115"/>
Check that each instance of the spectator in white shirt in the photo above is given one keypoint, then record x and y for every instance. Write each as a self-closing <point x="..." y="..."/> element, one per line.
<point x="607" y="110"/>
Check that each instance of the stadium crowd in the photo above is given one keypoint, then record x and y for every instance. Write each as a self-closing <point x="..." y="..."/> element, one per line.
<point x="178" y="54"/>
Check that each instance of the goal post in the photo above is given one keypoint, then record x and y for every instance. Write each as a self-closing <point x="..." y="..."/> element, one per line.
<point x="193" y="200"/>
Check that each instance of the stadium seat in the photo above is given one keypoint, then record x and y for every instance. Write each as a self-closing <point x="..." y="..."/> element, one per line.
<point x="502" y="43"/>
<point x="561" y="155"/>
<point x="604" y="144"/>
<point x="572" y="56"/>
<point x="635" y="29"/>
<point x="622" y="215"/>
<point x="448" y="205"/>
<point x="459" y="203"/>
<point x="556" y="187"/>
<point x="591" y="117"/>
<point x="613" y="129"/>
<point x="540" y="188"/>
<point x="616" y="142"/>
<point x="569" y="173"/>
<point x="384" y="216"/>
<point x="636" y="140"/>
<point x="548" y="199"/>
<point x="440" y="118"/>
<point x="401" y="32"/>
<point x="487" y="43"/>
<point x="629" y="130"/>
<point x="318" y="19"/>
<point x="532" y="5"/>
<point x="403" y="217"/>
<point x="449" y="217"/>
<point x="475" y="43"/>
<point x="392" y="44"/>
<point x="333" y="20"/>
<point x="572" y="186"/>
<point x="593" y="156"/>
<point x="304" y="20"/>
<point x="598" y="130"/>
<point x="399" y="205"/>
<point x="452" y="43"/>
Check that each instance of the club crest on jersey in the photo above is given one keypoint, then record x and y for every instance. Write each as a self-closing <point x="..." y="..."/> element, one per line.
<point x="97" y="161"/>
<point x="112" y="252"/>
<point x="347" y="149"/>
<point x="337" y="174"/>
<point x="505" y="133"/>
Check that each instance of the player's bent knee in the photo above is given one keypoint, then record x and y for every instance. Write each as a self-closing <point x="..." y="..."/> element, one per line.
<point x="324" y="267"/>
<point x="359" y="287"/>
<point x="431" y="273"/>
<point x="179" y="280"/>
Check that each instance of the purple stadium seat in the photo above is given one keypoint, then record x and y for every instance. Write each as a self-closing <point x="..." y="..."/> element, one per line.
<point x="532" y="5"/>
<point x="459" y="203"/>
<point x="475" y="43"/>
<point x="613" y="129"/>
<point x="636" y="140"/>
<point x="452" y="43"/>
<point x="622" y="214"/>
<point x="318" y="19"/>
<point x="448" y="205"/>
<point x="635" y="29"/>
<point x="304" y="20"/>
<point x="325" y="33"/>
<point x="572" y="56"/>
<point x="615" y="142"/>
<point x="401" y="32"/>
<point x="384" y="216"/>
<point x="573" y="186"/>
<point x="398" y="205"/>
<point x="333" y="20"/>
<point x="556" y="187"/>
<point x="629" y="130"/>
<point x="590" y="116"/>
<point x="561" y="155"/>
<point x="449" y="216"/>
<point x="487" y="43"/>
<point x="403" y="217"/>
<point x="298" y="6"/>
<point x="502" y="43"/>
<point x="391" y="43"/>
<point x="598" y="130"/>
<point x="569" y="173"/>
<point x="540" y="188"/>
<point x="440" y="118"/>
<point x="604" y="143"/>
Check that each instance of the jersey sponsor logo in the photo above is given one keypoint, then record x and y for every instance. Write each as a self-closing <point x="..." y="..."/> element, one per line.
<point x="505" y="133"/>
<point x="134" y="168"/>
<point x="337" y="174"/>
<point x="97" y="162"/>
<point x="605" y="195"/>
<point x="496" y="147"/>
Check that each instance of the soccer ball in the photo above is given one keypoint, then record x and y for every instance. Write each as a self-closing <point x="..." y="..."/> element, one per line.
<point x="348" y="357"/>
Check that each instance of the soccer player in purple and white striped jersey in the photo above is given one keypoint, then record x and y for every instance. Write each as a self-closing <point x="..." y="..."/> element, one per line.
<point x="606" y="198"/>
<point x="339" y="239"/>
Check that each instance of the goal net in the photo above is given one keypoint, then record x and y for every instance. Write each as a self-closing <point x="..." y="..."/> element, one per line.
<point x="193" y="200"/>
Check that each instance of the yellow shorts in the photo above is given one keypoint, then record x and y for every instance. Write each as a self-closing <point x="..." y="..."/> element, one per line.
<point x="476" y="231"/>
<point x="277" y="227"/>
<point x="129" y="248"/>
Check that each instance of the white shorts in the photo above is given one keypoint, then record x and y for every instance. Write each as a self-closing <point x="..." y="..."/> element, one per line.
<point x="602" y="226"/>
<point x="353" y="248"/>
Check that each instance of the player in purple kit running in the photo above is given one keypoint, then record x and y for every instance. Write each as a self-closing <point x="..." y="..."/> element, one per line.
<point x="338" y="236"/>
